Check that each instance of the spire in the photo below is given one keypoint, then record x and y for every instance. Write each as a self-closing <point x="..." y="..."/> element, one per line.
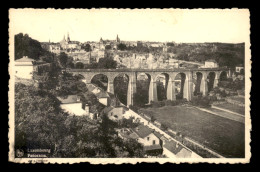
<point x="68" y="38"/>
<point x="117" y="38"/>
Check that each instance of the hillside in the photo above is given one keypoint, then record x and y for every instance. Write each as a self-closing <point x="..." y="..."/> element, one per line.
<point x="225" y="54"/>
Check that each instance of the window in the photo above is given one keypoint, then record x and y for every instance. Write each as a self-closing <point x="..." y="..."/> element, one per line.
<point x="153" y="142"/>
<point x="148" y="138"/>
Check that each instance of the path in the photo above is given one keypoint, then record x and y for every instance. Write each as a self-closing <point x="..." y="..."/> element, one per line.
<point x="223" y="114"/>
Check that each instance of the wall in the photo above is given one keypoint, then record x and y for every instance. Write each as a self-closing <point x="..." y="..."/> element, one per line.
<point x="116" y="111"/>
<point x="168" y="153"/>
<point x="74" y="108"/>
<point x="103" y="101"/>
<point x="149" y="142"/>
<point x="25" y="72"/>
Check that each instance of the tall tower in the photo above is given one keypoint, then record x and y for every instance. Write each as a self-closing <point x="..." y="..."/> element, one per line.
<point x="117" y="38"/>
<point x="64" y="39"/>
<point x="68" y="37"/>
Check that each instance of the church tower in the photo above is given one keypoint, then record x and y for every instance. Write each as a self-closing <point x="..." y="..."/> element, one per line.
<point x="68" y="37"/>
<point x="117" y="38"/>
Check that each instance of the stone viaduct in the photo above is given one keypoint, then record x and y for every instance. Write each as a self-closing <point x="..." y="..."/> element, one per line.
<point x="200" y="79"/>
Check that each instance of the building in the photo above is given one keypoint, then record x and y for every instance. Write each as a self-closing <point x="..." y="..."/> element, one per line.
<point x="126" y="133"/>
<point x="173" y="149"/>
<point x="103" y="98"/>
<point x="174" y="63"/>
<point x="211" y="64"/>
<point x="68" y="44"/>
<point x="151" y="143"/>
<point x="24" y="67"/>
<point x="240" y="69"/>
<point x="115" y="113"/>
<point x="72" y="105"/>
<point x="55" y="48"/>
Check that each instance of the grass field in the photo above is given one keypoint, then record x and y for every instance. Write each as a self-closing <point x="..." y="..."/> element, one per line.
<point x="239" y="99"/>
<point x="225" y="136"/>
<point x="232" y="107"/>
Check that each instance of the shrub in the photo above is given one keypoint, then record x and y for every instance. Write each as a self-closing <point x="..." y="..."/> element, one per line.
<point x="164" y="126"/>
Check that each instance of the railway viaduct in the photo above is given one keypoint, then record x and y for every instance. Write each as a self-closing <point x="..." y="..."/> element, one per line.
<point x="197" y="79"/>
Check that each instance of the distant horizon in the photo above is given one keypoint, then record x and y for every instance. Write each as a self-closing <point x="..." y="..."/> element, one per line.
<point x="136" y="41"/>
<point x="150" y="25"/>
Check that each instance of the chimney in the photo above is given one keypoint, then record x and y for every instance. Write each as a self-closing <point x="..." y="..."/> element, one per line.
<point x="87" y="109"/>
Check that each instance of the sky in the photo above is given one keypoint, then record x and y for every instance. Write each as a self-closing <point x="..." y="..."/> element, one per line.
<point x="178" y="25"/>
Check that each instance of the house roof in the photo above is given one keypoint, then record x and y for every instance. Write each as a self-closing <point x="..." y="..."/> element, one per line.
<point x="90" y="87"/>
<point x="184" y="153"/>
<point x="102" y="94"/>
<point x="25" y="59"/>
<point x="211" y="60"/>
<point x="107" y="109"/>
<point x="171" y="146"/>
<point x="69" y="99"/>
<point x="129" y="134"/>
<point x="157" y="134"/>
<point x="142" y="131"/>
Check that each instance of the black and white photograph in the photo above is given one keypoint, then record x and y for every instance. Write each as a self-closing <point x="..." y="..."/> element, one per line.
<point x="129" y="85"/>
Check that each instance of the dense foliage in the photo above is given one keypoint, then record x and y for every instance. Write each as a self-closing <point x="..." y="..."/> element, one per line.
<point x="26" y="46"/>
<point x="40" y="123"/>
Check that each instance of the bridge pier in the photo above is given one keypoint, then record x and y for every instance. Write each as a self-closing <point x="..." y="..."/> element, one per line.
<point x="131" y="90"/>
<point x="110" y="87"/>
<point x="204" y="86"/>
<point x="188" y="87"/>
<point x="152" y="91"/>
<point x="216" y="80"/>
<point x="171" y="90"/>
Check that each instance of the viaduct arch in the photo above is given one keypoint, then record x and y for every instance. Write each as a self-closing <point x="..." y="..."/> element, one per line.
<point x="184" y="82"/>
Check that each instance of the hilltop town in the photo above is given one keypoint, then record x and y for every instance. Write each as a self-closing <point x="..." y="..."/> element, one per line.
<point x="115" y="98"/>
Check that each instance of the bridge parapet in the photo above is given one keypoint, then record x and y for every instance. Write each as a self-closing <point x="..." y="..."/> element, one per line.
<point x="147" y="70"/>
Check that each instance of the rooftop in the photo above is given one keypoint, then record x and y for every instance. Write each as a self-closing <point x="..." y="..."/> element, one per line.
<point x="25" y="59"/>
<point x="172" y="146"/>
<point x="102" y="94"/>
<point x="184" y="153"/>
<point x="69" y="99"/>
<point x="107" y="109"/>
<point x="211" y="60"/>
<point x="142" y="131"/>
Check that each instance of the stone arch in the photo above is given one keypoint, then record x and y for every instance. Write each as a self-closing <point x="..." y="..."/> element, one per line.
<point x="121" y="84"/>
<point x="180" y="81"/>
<point x="211" y="80"/>
<point x="143" y="81"/>
<point x="223" y="76"/>
<point x="162" y="81"/>
<point x="81" y="77"/>
<point x="100" y="80"/>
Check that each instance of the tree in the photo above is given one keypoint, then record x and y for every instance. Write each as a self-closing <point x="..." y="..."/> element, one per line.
<point x="36" y="112"/>
<point x="26" y="46"/>
<point x="86" y="47"/>
<point x="70" y="84"/>
<point x="108" y="47"/>
<point x="121" y="47"/>
<point x="79" y="65"/>
<point x="107" y="63"/>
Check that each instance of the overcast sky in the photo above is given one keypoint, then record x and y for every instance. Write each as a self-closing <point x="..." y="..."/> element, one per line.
<point x="230" y="26"/>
